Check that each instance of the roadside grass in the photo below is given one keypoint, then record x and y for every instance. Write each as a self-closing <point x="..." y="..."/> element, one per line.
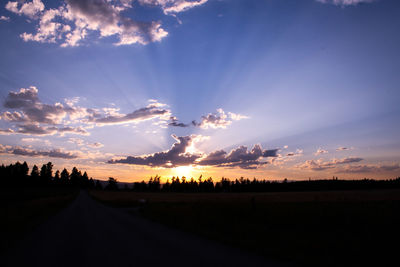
<point x="342" y="228"/>
<point x="23" y="209"/>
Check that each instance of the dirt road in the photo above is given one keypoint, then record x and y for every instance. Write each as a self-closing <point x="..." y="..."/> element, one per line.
<point x="88" y="233"/>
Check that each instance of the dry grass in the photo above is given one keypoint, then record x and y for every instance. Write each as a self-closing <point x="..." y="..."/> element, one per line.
<point x="24" y="209"/>
<point x="346" y="228"/>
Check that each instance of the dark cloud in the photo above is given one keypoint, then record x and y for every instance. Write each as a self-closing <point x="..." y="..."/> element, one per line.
<point x="176" y="156"/>
<point x="270" y="153"/>
<point x="238" y="157"/>
<point x="36" y="118"/>
<point x="173" y="121"/>
<point x="20" y="151"/>
<point x="31" y="110"/>
<point x="25" y="98"/>
<point x="150" y="112"/>
<point x="35" y="129"/>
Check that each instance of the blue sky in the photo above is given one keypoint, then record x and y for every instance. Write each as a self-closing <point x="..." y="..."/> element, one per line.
<point x="313" y="85"/>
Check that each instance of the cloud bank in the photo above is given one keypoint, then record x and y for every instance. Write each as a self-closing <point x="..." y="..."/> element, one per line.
<point x="182" y="153"/>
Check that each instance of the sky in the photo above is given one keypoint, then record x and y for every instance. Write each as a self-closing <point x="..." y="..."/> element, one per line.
<point x="271" y="89"/>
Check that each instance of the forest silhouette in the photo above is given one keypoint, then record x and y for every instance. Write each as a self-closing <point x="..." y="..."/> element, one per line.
<point x="17" y="175"/>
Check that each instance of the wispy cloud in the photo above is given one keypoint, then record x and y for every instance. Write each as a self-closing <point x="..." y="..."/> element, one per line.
<point x="320" y="151"/>
<point x="343" y="148"/>
<point x="173" y="6"/>
<point x="112" y="116"/>
<point x="369" y="168"/>
<point x="320" y="165"/>
<point x="4" y="18"/>
<point x="345" y="2"/>
<point x="21" y="151"/>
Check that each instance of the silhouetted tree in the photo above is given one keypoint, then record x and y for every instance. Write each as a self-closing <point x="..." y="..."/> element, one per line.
<point x="35" y="175"/>
<point x="75" y="177"/>
<point x="112" y="184"/>
<point x="64" y="177"/>
<point x="57" y="177"/>
<point x="98" y="185"/>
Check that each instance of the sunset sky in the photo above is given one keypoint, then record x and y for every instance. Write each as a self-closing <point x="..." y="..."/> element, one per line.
<point x="270" y="89"/>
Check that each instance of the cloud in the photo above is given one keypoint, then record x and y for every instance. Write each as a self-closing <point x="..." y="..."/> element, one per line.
<point x="321" y="151"/>
<point x="81" y="142"/>
<point x="36" y="129"/>
<point x="4" y="18"/>
<point x="112" y="116"/>
<point x="173" y="6"/>
<point x="95" y="145"/>
<point x="239" y="157"/>
<point x="183" y="152"/>
<point x="345" y="2"/>
<point x="76" y="141"/>
<point x="35" y="140"/>
<point x="344" y="148"/>
<point x="369" y="168"/>
<point x="31" y="110"/>
<point x="173" y="121"/>
<point x="6" y="131"/>
<point x="31" y="116"/>
<point x="73" y="21"/>
<point x="320" y="165"/>
<point x="29" y="9"/>
<point x="175" y="156"/>
<point x="218" y="119"/>
<point x="20" y="151"/>
<point x="298" y="152"/>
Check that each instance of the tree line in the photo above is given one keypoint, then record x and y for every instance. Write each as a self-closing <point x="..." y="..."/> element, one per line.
<point x="242" y="184"/>
<point x="18" y="175"/>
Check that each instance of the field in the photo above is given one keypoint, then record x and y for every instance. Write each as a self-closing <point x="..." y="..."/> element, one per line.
<point x="23" y="209"/>
<point x="337" y="228"/>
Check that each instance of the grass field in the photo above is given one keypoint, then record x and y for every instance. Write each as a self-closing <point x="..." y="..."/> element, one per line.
<point x="24" y="209"/>
<point x="346" y="228"/>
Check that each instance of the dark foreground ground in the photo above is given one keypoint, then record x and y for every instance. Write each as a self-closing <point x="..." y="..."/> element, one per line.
<point x="24" y="209"/>
<point x="88" y="233"/>
<point x="335" y="228"/>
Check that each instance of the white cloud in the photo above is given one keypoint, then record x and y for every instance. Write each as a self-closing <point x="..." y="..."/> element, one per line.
<point x="174" y="6"/>
<point x="4" y="18"/>
<point x="70" y="23"/>
<point x="320" y="151"/>
<point x="29" y="9"/>
<point x="218" y="119"/>
<point x="345" y="2"/>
